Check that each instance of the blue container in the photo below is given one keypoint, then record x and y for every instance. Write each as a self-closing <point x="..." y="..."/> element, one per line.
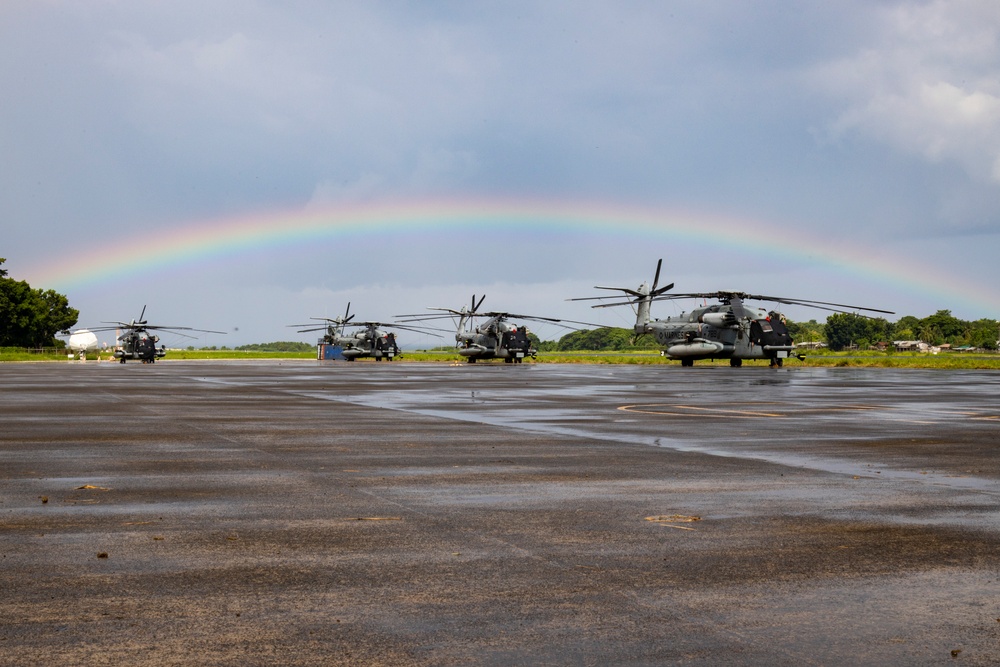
<point x="327" y="352"/>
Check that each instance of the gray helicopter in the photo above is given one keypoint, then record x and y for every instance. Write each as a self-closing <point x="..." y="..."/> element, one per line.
<point x="367" y="341"/>
<point x="136" y="342"/>
<point x="726" y="330"/>
<point x="494" y="338"/>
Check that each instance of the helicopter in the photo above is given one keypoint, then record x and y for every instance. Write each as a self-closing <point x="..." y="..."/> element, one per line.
<point x="496" y="338"/>
<point x="368" y="341"/>
<point x="726" y="330"/>
<point x="136" y="342"/>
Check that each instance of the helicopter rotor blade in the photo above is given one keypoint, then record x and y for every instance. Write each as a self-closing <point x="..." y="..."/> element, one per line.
<point x="626" y="290"/>
<point x="347" y="318"/>
<point x="419" y="317"/>
<point x="817" y="304"/>
<point x="160" y="327"/>
<point x="537" y="318"/>
<point x="610" y="296"/>
<point x="657" y="292"/>
<point x="617" y="303"/>
<point x="731" y="297"/>
<point x="423" y="330"/>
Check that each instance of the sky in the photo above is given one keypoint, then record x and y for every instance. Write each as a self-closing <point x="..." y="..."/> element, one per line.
<point x="242" y="165"/>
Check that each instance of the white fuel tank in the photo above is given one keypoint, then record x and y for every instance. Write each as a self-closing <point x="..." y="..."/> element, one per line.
<point x="694" y="349"/>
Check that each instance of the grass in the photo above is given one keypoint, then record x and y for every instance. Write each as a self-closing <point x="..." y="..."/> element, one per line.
<point x="853" y="359"/>
<point x="237" y="354"/>
<point x="22" y="354"/>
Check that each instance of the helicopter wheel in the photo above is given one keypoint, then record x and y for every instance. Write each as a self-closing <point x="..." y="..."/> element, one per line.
<point x="776" y="363"/>
<point x="687" y="362"/>
<point x="735" y="363"/>
<point x="472" y="360"/>
<point x="508" y="360"/>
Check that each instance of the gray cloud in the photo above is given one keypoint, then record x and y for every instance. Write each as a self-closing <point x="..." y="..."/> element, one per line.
<point x="874" y="121"/>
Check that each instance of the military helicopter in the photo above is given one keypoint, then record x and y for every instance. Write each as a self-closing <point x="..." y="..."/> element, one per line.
<point x="726" y="330"/>
<point x="368" y="341"/>
<point x="136" y="342"/>
<point x="495" y="338"/>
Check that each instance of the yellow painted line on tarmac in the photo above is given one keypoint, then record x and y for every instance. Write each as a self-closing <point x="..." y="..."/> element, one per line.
<point x="646" y="409"/>
<point x="856" y="407"/>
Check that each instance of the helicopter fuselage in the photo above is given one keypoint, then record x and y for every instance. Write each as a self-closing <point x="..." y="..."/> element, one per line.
<point x="365" y="343"/>
<point x="714" y="332"/>
<point x="139" y="346"/>
<point x="494" y="339"/>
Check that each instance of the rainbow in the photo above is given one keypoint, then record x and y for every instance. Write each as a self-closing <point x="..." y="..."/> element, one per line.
<point x="212" y="239"/>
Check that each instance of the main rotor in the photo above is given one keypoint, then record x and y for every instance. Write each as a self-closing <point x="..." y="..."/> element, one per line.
<point x="135" y="327"/>
<point x="498" y="316"/>
<point x="646" y="295"/>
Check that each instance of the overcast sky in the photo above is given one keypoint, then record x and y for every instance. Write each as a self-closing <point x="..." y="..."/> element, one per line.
<point x="873" y="125"/>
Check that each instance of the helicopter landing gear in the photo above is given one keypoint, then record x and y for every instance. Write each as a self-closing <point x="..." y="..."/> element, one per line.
<point x="735" y="363"/>
<point x="776" y="362"/>
<point x="687" y="362"/>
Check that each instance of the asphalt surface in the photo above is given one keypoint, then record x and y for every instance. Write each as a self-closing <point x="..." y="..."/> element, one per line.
<point x="322" y="513"/>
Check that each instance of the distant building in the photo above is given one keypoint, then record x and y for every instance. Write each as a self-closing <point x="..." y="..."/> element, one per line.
<point x="914" y="346"/>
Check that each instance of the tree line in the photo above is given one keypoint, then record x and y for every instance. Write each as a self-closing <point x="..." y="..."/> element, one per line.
<point x="32" y="317"/>
<point x="843" y="330"/>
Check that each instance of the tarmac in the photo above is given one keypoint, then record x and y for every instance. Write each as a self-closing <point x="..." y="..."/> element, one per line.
<point x="325" y="513"/>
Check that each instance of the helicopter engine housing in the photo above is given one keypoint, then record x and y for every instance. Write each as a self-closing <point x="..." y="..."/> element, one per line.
<point x="722" y="320"/>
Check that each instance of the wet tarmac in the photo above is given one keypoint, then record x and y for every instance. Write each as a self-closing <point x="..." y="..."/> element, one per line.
<point x="308" y="513"/>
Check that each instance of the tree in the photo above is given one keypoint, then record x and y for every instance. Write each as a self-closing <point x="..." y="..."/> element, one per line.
<point x="845" y="329"/>
<point x="879" y="329"/>
<point x="602" y="338"/>
<point x="905" y="328"/>
<point x="31" y="317"/>
<point x="944" y="327"/>
<point x="805" y="332"/>
<point x="903" y="334"/>
<point x="983" y="333"/>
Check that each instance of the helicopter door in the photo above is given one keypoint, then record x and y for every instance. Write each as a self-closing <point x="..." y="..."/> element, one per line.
<point x="769" y="331"/>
